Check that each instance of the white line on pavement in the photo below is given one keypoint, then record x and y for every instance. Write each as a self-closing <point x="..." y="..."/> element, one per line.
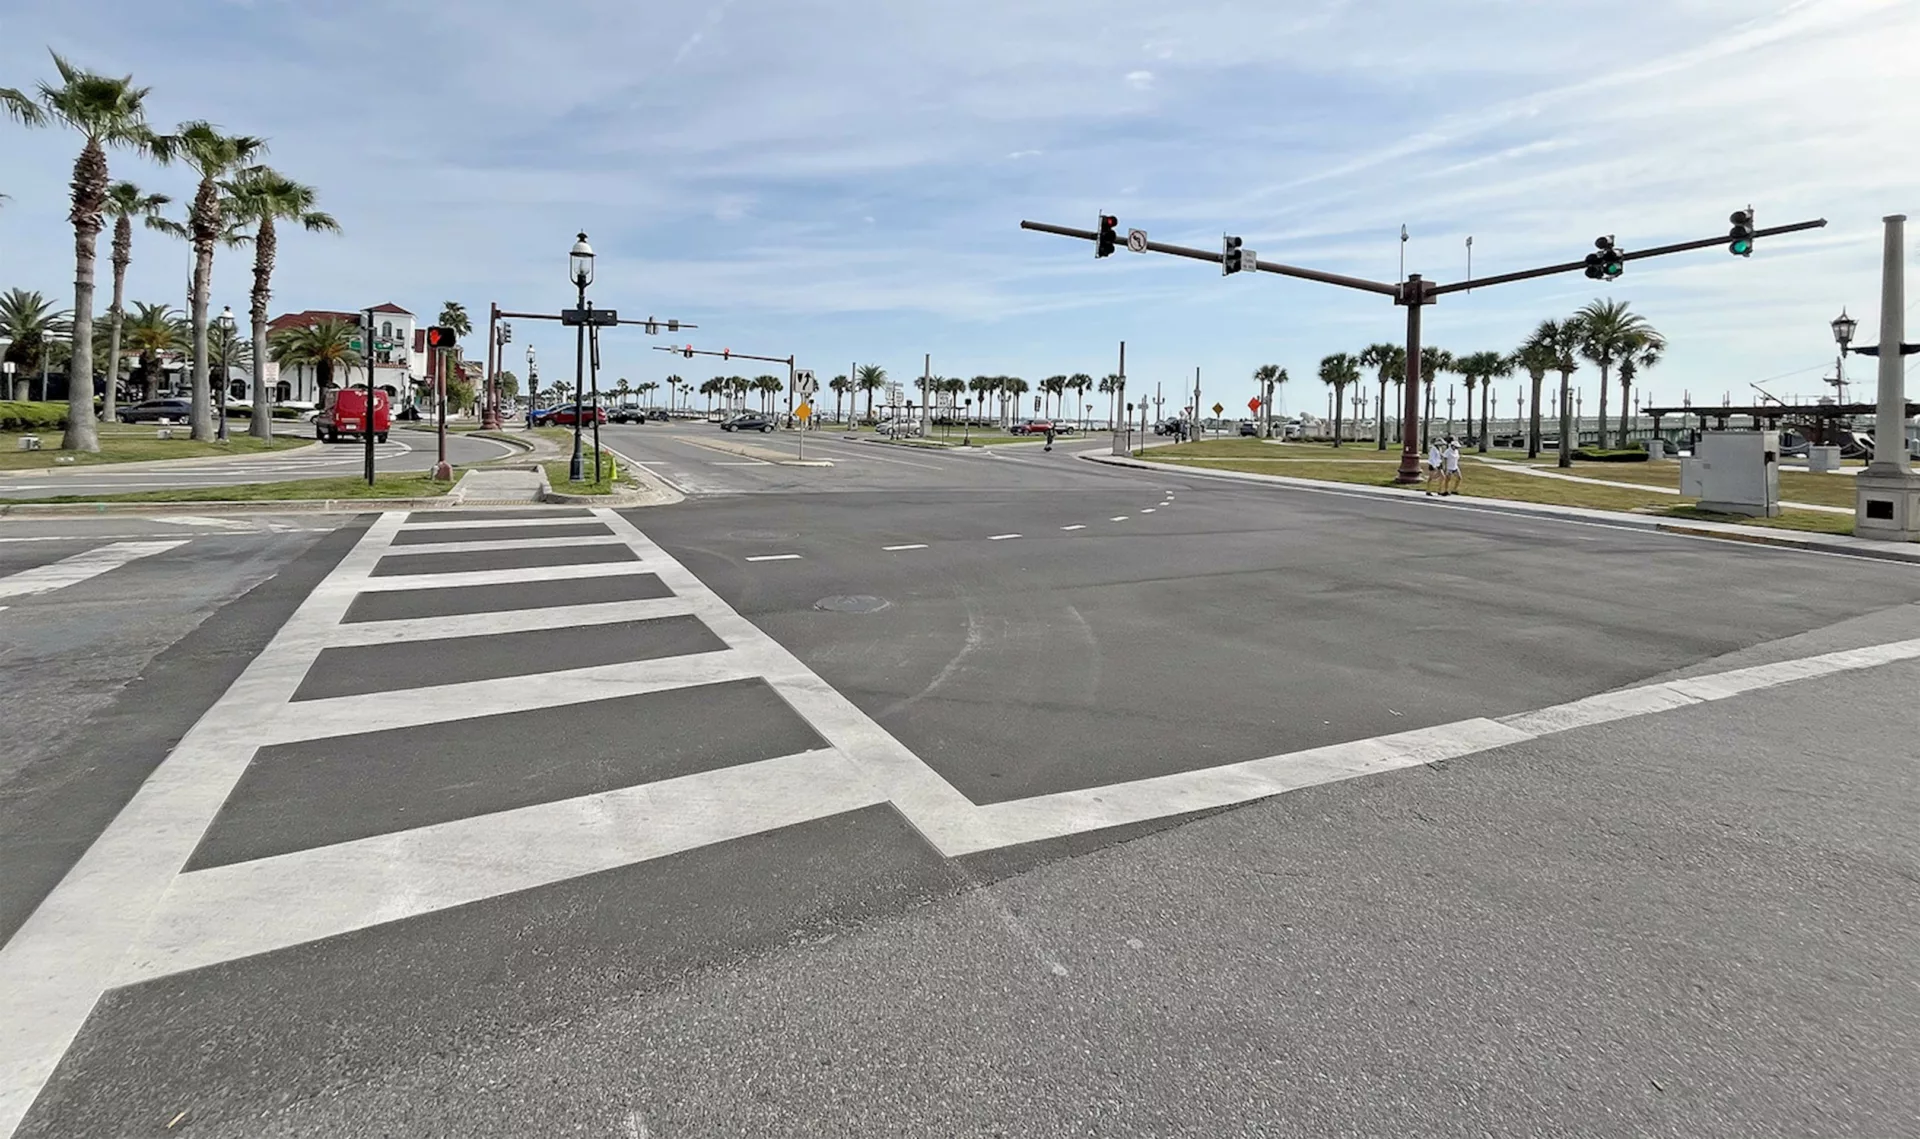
<point x="1118" y="518"/>
<point x="1076" y="526"/>
<point x="915" y="546"/>
<point x="80" y="567"/>
<point x="774" y="558"/>
<point x="1001" y="537"/>
<point x="1148" y="510"/>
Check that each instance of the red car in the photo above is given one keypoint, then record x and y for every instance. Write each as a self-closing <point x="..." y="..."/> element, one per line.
<point x="562" y="416"/>
<point x="1033" y="427"/>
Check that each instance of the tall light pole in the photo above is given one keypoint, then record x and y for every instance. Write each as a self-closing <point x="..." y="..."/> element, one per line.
<point x="580" y="269"/>
<point x="1843" y="326"/>
<point x="226" y="327"/>
<point x="1887" y="493"/>
<point x="533" y="387"/>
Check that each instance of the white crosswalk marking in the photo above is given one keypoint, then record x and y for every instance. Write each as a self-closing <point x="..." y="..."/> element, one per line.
<point x="80" y="567"/>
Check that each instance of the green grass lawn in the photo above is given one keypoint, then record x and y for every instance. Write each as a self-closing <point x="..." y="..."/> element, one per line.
<point x="609" y="475"/>
<point x="126" y="444"/>
<point x="412" y="484"/>
<point x="1310" y="461"/>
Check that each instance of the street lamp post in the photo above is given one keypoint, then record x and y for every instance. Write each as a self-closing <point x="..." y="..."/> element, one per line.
<point x="580" y="269"/>
<point x="533" y="387"/>
<point x="1843" y="326"/>
<point x="226" y="326"/>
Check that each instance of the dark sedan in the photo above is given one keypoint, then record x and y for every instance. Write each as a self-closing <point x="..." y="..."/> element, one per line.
<point x="154" y="410"/>
<point x="748" y="422"/>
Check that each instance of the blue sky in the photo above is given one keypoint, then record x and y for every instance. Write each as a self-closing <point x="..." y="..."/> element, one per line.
<point x="845" y="180"/>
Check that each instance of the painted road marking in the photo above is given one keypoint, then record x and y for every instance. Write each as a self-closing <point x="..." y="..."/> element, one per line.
<point x="1001" y="537"/>
<point x="741" y="463"/>
<point x="80" y="567"/>
<point x="1148" y="510"/>
<point x="915" y="546"/>
<point x="1074" y="527"/>
<point x="774" y="558"/>
<point x="1118" y="518"/>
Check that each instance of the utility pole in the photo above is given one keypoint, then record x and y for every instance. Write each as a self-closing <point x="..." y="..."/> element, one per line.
<point x="1887" y="493"/>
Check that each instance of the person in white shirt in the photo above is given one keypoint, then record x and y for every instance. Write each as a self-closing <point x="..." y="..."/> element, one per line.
<point x="1435" y="459"/>
<point x="1450" y="483"/>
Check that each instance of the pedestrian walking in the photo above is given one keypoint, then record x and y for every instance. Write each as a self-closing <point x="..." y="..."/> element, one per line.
<point x="1450" y="483"/>
<point x="1049" y="437"/>
<point x="1436" y="457"/>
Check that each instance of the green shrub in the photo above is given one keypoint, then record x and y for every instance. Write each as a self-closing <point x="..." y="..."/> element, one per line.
<point x="286" y="413"/>
<point x="19" y="415"/>
<point x="1630" y="455"/>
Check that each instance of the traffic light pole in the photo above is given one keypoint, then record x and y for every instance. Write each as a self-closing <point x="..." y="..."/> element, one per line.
<point x="1415" y="293"/>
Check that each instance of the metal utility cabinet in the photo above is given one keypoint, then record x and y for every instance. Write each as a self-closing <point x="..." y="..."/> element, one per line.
<point x="1738" y="472"/>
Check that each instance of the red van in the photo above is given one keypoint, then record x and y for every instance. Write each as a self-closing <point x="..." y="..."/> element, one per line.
<point x="343" y="413"/>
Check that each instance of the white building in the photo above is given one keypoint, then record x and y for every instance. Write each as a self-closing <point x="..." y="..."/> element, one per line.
<point x="397" y="342"/>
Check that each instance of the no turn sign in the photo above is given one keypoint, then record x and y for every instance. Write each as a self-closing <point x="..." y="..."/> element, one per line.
<point x="1137" y="240"/>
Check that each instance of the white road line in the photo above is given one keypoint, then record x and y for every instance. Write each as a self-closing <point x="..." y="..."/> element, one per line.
<point x="491" y="577"/>
<point x="1001" y="537"/>
<point x="740" y="463"/>
<point x="915" y="546"/>
<point x="479" y="518"/>
<point x="236" y="910"/>
<point x="486" y="544"/>
<point x="1147" y="510"/>
<point x="80" y="567"/>
<point x="1074" y="527"/>
<point x="415" y="629"/>
<point x="1118" y="518"/>
<point x="774" y="558"/>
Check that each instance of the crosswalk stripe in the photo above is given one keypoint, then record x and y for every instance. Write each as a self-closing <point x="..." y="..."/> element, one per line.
<point x="80" y="567"/>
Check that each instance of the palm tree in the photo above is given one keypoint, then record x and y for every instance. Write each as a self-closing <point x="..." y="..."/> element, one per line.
<point x="647" y="389"/>
<point x="106" y="112"/>
<point x="1079" y="382"/>
<point x="1433" y="361"/>
<point x="1536" y="358"/>
<point x="621" y="389"/>
<point x="125" y="201"/>
<point x="1478" y="368"/>
<point x="1644" y="352"/>
<point x="29" y="319"/>
<point x="1109" y="386"/>
<point x="1390" y="362"/>
<point x="261" y="197"/>
<point x="1268" y="376"/>
<point x="709" y="388"/>
<point x="870" y="378"/>
<point x="1012" y="388"/>
<point x="1555" y="344"/>
<point x="1337" y="371"/>
<point x="323" y="347"/>
<point x="1052" y="387"/>
<point x="1611" y="330"/>
<point x="839" y="386"/>
<point x="769" y="388"/>
<point x="152" y="332"/>
<point x="214" y="156"/>
<point x="674" y="384"/>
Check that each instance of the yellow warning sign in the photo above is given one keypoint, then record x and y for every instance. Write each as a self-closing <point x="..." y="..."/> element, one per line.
<point x="804" y="411"/>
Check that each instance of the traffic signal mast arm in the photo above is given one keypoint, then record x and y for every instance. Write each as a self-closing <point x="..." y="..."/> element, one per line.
<point x="672" y="325"/>
<point x="1637" y="255"/>
<point x="1216" y="257"/>
<point x="729" y="353"/>
<point x="1431" y="291"/>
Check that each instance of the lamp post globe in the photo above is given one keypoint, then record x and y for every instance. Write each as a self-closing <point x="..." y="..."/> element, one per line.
<point x="1843" y="326"/>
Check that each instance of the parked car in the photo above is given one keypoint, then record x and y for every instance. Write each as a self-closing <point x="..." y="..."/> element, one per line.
<point x="1249" y="427"/>
<point x="748" y="421"/>
<point x="1034" y="427"/>
<point x="627" y="415"/>
<point x="343" y="412"/>
<point x="563" y="416"/>
<point x="898" y="428"/>
<point x="154" y="410"/>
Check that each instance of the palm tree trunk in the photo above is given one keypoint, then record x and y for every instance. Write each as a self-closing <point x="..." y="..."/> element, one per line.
<point x="1486" y="394"/>
<point x="1602" y="423"/>
<point x="206" y="223"/>
<point x="260" y="425"/>
<point x="1380" y="415"/>
<point x="122" y="230"/>
<point x="1533" y="416"/>
<point x="1338" y="392"/>
<point x="1623" y="412"/>
<point x="89" y="197"/>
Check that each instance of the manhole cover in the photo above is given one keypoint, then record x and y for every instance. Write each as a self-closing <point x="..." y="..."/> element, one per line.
<point x="857" y="603"/>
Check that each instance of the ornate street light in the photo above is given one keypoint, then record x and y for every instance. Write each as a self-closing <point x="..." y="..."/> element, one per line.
<point x="226" y="323"/>
<point x="580" y="272"/>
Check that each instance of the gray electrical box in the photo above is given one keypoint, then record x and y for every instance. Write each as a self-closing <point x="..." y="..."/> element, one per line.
<point x="1739" y="472"/>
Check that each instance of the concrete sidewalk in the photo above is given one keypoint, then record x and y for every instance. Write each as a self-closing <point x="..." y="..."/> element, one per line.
<point x="1762" y="535"/>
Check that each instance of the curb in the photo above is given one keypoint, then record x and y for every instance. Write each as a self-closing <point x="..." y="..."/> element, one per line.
<point x="1786" y="539"/>
<point x="657" y="493"/>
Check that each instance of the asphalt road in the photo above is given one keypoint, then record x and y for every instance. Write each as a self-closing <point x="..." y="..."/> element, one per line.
<point x="958" y="794"/>
<point x="405" y="450"/>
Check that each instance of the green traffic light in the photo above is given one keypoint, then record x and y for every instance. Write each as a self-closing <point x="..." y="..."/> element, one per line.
<point x="1614" y="268"/>
<point x="1741" y="247"/>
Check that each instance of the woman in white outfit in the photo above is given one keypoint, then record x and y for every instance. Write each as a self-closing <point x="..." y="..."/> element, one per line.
<point x="1450" y="484"/>
<point x="1436" y="455"/>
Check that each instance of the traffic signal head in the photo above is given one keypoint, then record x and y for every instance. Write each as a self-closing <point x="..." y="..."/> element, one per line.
<point x="687" y="351"/>
<point x="1229" y="255"/>
<point x="438" y="337"/>
<point x="1740" y="237"/>
<point x="1104" y="245"/>
<point x="673" y="326"/>
<point x="653" y="328"/>
<point x="1606" y="262"/>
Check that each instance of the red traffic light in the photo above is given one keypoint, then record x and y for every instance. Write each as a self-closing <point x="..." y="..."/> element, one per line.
<point x="438" y="337"/>
<point x="1103" y="244"/>
<point x="687" y="351"/>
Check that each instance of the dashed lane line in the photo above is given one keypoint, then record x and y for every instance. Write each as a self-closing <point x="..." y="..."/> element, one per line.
<point x="1118" y="518"/>
<point x="774" y="558"/>
<point x="914" y="546"/>
<point x="1077" y="526"/>
<point x="1000" y="537"/>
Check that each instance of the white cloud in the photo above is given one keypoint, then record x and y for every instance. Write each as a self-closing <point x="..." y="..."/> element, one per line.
<point x="1140" y="80"/>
